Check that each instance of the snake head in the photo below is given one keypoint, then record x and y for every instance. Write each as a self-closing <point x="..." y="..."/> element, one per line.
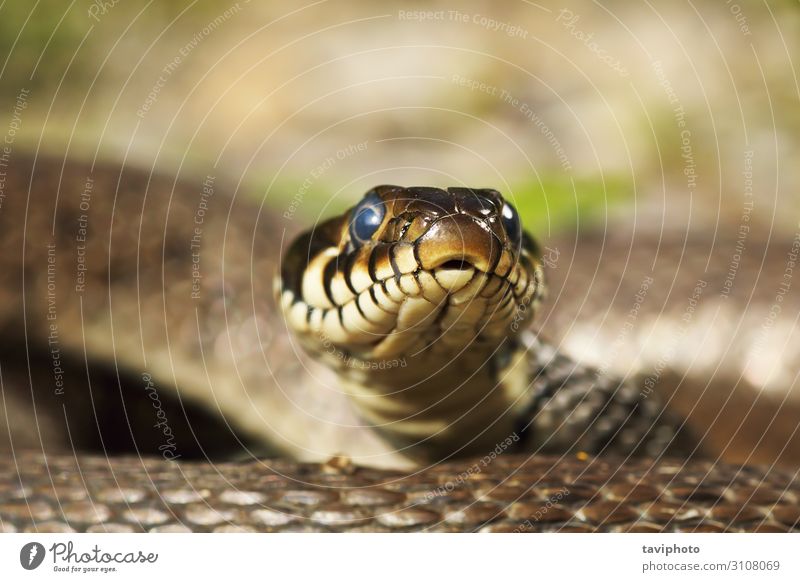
<point x="412" y="270"/>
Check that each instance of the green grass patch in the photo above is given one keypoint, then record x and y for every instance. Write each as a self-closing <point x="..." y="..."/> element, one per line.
<point x="555" y="202"/>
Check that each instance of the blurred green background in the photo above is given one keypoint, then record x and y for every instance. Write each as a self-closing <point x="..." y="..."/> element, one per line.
<point x="581" y="111"/>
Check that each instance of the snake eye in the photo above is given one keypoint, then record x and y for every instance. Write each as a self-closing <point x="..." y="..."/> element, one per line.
<point x="367" y="217"/>
<point x="511" y="223"/>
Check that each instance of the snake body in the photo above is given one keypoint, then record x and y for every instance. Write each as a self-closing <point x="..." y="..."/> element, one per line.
<point x="144" y="319"/>
<point x="512" y="493"/>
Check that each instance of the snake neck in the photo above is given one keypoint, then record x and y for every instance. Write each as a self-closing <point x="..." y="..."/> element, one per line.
<point x="522" y="394"/>
<point x="429" y="407"/>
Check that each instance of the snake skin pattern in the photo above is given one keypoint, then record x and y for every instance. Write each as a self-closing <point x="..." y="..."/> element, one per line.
<point x="507" y="493"/>
<point x="137" y="325"/>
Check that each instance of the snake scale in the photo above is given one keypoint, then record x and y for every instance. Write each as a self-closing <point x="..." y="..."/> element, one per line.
<point x="157" y="375"/>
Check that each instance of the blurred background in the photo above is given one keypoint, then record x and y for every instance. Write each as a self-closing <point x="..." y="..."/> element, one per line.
<point x="580" y="111"/>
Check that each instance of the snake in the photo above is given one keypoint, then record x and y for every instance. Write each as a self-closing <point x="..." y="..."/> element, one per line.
<point x="178" y="358"/>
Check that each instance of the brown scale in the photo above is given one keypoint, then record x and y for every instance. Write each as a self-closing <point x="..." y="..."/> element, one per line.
<point x="128" y="494"/>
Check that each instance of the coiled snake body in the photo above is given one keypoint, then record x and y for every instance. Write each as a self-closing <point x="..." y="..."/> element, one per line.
<point x="394" y="368"/>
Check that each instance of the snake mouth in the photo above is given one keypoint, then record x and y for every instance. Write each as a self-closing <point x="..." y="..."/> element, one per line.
<point x="456" y="265"/>
<point x="455" y="275"/>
